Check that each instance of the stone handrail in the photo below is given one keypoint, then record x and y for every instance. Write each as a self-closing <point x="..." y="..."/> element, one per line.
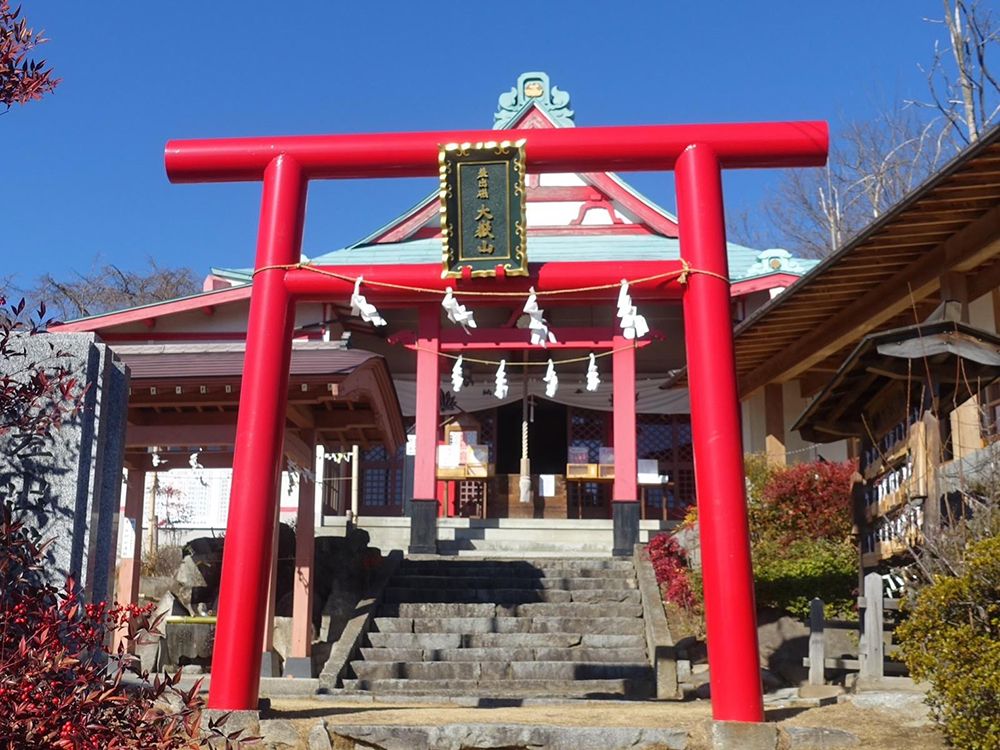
<point x="348" y="645"/>
<point x="659" y="642"/>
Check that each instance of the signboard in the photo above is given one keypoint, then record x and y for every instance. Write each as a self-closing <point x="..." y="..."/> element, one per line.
<point x="482" y="208"/>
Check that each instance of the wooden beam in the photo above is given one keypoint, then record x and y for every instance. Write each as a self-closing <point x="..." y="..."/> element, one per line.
<point x="300" y="416"/>
<point x="963" y="251"/>
<point x="342" y="419"/>
<point x="984" y="280"/>
<point x="140" y="436"/>
<point x="180" y="419"/>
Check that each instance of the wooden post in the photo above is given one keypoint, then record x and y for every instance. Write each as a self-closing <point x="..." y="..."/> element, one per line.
<point x="817" y="643"/>
<point x="872" y="651"/>
<point x="268" y="657"/>
<point x="355" y="481"/>
<point x="774" y="424"/>
<point x="130" y="563"/>
<point x="299" y="662"/>
<point x="319" y="486"/>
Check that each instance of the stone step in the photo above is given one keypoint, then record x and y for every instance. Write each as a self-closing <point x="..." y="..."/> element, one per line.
<point x="424" y="610"/>
<point x="463" y="545"/>
<point x="508" y="596"/>
<point x="523" y="583"/>
<point x="498" y="670"/>
<point x="541" y="562"/>
<point x="542" y="653"/>
<point x="550" y="639"/>
<point x="555" y="567"/>
<point x="540" y="624"/>
<point x="615" y="688"/>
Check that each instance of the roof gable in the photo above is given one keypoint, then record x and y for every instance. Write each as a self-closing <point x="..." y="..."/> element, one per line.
<point x="580" y="204"/>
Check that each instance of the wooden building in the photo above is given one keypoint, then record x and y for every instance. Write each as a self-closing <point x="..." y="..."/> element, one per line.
<point x="886" y="352"/>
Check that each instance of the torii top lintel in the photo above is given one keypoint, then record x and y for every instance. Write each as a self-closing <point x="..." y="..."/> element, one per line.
<point x="590" y="149"/>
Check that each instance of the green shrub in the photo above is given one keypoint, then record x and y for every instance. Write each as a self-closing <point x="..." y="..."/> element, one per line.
<point x="951" y="639"/>
<point x="788" y="575"/>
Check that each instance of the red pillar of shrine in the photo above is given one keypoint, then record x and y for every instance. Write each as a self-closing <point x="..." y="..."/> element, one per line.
<point x="625" y="494"/>
<point x="424" y="505"/>
<point x="246" y="561"/>
<point x="730" y="614"/>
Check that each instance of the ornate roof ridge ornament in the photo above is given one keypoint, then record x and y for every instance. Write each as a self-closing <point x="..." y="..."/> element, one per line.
<point x="533" y="89"/>
<point x="776" y="260"/>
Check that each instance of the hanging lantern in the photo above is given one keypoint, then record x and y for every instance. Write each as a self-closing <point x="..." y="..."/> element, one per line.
<point x="551" y="380"/>
<point x="633" y="325"/>
<point x="500" y="391"/>
<point x="363" y="308"/>
<point x="540" y="333"/>
<point x="593" y="379"/>
<point x="457" y="313"/>
<point x="457" y="376"/>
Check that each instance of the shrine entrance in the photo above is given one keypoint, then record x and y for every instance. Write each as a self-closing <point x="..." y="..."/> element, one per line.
<point x="699" y="282"/>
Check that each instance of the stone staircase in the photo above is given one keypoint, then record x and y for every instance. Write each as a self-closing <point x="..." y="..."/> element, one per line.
<point x="551" y="627"/>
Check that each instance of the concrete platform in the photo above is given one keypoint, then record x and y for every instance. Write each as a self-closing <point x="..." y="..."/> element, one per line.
<point x="504" y="538"/>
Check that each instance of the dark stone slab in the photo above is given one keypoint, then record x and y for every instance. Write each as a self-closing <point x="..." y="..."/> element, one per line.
<point x="423" y="527"/>
<point x="625" y="516"/>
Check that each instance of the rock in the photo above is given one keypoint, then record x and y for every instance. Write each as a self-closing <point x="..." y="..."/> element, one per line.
<point x="154" y="587"/>
<point x="903" y="705"/>
<point x="687" y="537"/>
<point x="771" y="681"/>
<point x="338" y="610"/>
<point x="738" y="735"/>
<point x="247" y="721"/>
<point x="683" y="669"/>
<point x="386" y="737"/>
<point x="192" y="669"/>
<point x="279" y="734"/>
<point x="188" y="574"/>
<point x="283" y="636"/>
<point x="819" y="738"/>
<point x="319" y="738"/>
<point x="492" y="736"/>
<point x="185" y="643"/>
<point x="820" y="691"/>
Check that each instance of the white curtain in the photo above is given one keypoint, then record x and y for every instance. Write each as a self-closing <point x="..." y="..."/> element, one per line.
<point x="651" y="399"/>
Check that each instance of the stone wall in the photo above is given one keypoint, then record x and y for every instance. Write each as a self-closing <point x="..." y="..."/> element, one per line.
<point x="69" y="489"/>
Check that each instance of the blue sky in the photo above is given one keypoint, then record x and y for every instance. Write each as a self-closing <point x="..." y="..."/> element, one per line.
<point x="83" y="169"/>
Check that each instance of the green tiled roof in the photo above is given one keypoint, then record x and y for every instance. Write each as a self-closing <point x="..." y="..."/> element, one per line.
<point x="540" y="250"/>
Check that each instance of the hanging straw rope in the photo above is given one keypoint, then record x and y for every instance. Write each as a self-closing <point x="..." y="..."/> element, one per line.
<point x="681" y="276"/>
<point x="496" y="362"/>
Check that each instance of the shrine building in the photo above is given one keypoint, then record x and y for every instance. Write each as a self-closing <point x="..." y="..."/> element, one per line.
<point x="513" y="442"/>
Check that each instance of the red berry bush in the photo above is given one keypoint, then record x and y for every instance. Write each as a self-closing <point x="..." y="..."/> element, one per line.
<point x="806" y="501"/>
<point x="670" y="565"/>
<point x="60" y="687"/>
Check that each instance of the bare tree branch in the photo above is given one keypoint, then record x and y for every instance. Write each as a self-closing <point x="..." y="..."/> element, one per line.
<point x="108" y="287"/>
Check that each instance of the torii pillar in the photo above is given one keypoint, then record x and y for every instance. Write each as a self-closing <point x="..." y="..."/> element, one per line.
<point x="285" y="164"/>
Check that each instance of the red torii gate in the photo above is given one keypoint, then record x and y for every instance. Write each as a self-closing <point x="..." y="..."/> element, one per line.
<point x="697" y="154"/>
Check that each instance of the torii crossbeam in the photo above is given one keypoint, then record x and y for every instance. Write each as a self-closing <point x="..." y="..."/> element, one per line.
<point x="697" y="153"/>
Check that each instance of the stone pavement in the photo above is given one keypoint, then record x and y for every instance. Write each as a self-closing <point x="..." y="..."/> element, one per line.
<point x="333" y="724"/>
